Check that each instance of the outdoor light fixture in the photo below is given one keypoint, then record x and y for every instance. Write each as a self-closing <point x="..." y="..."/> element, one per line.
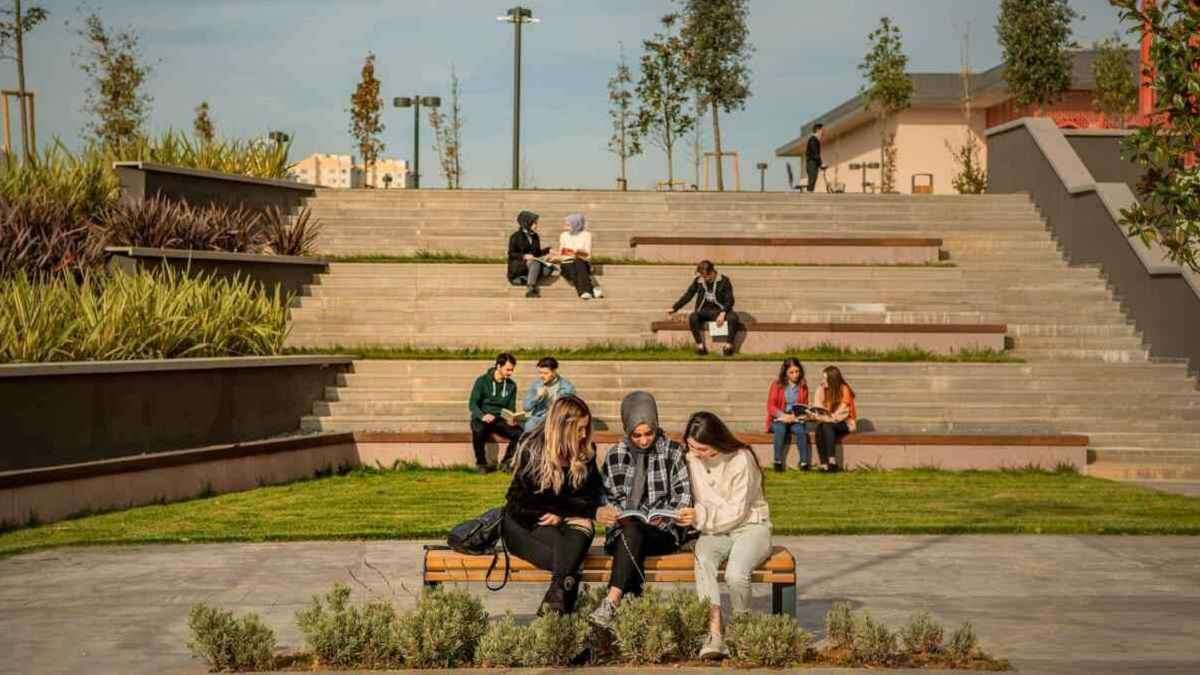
<point x="516" y="16"/>
<point x="415" y="102"/>
<point x="762" y="176"/>
<point x="855" y="166"/>
<point x="279" y="137"/>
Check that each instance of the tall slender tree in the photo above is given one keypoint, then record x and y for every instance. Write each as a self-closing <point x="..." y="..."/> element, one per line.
<point x="116" y="98"/>
<point x="625" y="141"/>
<point x="14" y="25"/>
<point x="202" y="125"/>
<point x="1035" y="36"/>
<point x="888" y="90"/>
<point x="717" y="46"/>
<point x="447" y="134"/>
<point x="1116" y="92"/>
<point x="664" y="113"/>
<point x="366" y="118"/>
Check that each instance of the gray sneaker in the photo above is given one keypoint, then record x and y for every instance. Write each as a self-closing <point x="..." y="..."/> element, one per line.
<point x="603" y="615"/>
<point x="714" y="649"/>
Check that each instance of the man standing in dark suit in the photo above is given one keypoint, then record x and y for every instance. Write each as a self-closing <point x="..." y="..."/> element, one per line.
<point x="812" y="155"/>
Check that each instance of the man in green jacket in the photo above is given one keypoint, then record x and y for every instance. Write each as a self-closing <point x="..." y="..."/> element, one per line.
<point x="494" y="391"/>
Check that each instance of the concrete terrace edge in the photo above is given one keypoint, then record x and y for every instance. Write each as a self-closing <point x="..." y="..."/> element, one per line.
<point x="191" y="254"/>
<point x="166" y="365"/>
<point x="151" y="167"/>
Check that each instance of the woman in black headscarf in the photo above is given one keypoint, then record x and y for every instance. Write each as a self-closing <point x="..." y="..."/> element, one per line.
<point x="524" y="249"/>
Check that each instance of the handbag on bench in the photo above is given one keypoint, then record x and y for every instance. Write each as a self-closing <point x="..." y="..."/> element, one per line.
<point x="480" y="536"/>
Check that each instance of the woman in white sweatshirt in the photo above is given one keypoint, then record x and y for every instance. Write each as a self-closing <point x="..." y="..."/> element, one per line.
<point x="731" y="514"/>
<point x="575" y="253"/>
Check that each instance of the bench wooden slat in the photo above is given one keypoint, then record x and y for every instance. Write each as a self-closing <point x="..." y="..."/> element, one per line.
<point x="595" y="576"/>
<point x="443" y="560"/>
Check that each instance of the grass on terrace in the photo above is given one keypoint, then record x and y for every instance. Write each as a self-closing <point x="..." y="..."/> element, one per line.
<point x="462" y="258"/>
<point x="657" y="352"/>
<point x="413" y="503"/>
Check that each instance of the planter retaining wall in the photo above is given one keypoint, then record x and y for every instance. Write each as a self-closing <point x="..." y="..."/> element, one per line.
<point x="200" y="187"/>
<point x="290" y="273"/>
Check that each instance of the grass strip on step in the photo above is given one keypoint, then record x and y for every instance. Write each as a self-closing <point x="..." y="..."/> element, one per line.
<point x="656" y="352"/>
<point x="452" y="257"/>
<point x="414" y="503"/>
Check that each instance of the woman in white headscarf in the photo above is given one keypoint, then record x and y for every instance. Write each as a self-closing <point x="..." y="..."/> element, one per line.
<point x="575" y="252"/>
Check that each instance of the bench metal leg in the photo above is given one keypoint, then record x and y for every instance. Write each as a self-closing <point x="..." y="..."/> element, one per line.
<point x="432" y="584"/>
<point x="783" y="599"/>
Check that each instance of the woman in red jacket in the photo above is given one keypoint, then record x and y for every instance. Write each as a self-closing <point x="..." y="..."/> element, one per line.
<point x="787" y="391"/>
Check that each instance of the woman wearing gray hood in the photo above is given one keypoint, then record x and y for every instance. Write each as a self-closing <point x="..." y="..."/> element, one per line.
<point x="646" y="472"/>
<point x="575" y="253"/>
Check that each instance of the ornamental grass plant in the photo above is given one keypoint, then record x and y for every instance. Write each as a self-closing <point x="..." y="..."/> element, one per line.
<point x="226" y="642"/>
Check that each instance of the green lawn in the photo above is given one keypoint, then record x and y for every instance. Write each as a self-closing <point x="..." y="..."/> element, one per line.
<point x="420" y="503"/>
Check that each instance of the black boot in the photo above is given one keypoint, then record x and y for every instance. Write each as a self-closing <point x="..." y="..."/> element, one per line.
<point x="570" y="593"/>
<point x="555" y="600"/>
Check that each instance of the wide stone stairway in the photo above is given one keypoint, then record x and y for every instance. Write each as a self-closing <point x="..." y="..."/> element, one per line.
<point x="1085" y="368"/>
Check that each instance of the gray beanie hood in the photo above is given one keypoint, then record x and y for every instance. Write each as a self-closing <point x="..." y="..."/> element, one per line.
<point x="639" y="408"/>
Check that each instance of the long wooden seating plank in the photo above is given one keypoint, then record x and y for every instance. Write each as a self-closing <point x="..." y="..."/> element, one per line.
<point x="591" y="576"/>
<point x="638" y="240"/>
<point x="1056" y="440"/>
<point x="850" y="327"/>
<point x="444" y="559"/>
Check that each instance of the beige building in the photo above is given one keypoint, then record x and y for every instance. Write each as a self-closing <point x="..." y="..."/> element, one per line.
<point x="340" y="171"/>
<point x="852" y="135"/>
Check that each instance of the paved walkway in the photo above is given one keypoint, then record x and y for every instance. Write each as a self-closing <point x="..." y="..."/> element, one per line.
<point x="1050" y="604"/>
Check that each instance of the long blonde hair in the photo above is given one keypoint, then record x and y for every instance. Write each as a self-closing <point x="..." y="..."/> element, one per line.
<point x="557" y="442"/>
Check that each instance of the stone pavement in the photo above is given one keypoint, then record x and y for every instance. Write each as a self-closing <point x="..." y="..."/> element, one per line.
<point x="1085" y="604"/>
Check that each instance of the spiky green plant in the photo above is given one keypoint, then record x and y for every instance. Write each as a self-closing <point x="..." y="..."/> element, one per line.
<point x="255" y="157"/>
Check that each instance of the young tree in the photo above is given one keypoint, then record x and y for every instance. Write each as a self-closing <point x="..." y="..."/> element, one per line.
<point x="115" y="97"/>
<point x="1035" y="36"/>
<point x="13" y="27"/>
<point x="1169" y="212"/>
<point x="366" y="119"/>
<point x="697" y="149"/>
<point x="1116" y="92"/>
<point x="971" y="178"/>
<point x="663" y="112"/>
<point x="202" y="125"/>
<point x="888" y="90"/>
<point x="447" y="135"/>
<point x="625" y="141"/>
<point x="717" y="45"/>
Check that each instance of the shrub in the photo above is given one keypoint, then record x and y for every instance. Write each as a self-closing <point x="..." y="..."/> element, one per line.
<point x="82" y="182"/>
<point x="228" y="643"/>
<point x="159" y="222"/>
<point x="690" y="613"/>
<point x="443" y="631"/>
<point x="116" y="316"/>
<point x="963" y="645"/>
<point x="767" y="641"/>
<point x="922" y="636"/>
<point x="254" y="157"/>
<point x="645" y="629"/>
<point x="874" y="643"/>
<point x="554" y="640"/>
<point x="839" y="625"/>
<point x="502" y="645"/>
<point x="286" y="235"/>
<point x="340" y="634"/>
<point x="43" y="236"/>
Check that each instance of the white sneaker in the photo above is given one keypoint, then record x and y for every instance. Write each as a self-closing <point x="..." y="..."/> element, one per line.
<point x="713" y="649"/>
<point x="603" y="615"/>
<point x="586" y="296"/>
<point x="597" y="292"/>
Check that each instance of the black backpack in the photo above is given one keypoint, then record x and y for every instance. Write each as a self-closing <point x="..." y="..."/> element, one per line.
<point x="479" y="536"/>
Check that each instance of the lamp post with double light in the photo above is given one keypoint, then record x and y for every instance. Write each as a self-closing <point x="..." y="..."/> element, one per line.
<point x="415" y="102"/>
<point x="517" y="16"/>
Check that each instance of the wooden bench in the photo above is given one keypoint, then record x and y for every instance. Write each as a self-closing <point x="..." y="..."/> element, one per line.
<point x="770" y="337"/>
<point x="442" y="565"/>
<point x="794" y="250"/>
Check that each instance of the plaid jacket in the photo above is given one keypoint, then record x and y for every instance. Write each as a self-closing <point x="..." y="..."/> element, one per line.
<point x="668" y="485"/>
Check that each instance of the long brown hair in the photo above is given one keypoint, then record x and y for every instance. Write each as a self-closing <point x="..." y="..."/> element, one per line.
<point x="787" y="364"/>
<point x="557" y="443"/>
<point x="708" y="429"/>
<point x="833" y="392"/>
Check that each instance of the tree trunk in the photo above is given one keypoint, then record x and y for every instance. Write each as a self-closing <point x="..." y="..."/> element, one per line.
<point x="882" y="153"/>
<point x="20" y="48"/>
<point x="717" y="148"/>
<point x="621" y="145"/>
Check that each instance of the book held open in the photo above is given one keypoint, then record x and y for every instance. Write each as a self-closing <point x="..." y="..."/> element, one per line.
<point x="646" y="517"/>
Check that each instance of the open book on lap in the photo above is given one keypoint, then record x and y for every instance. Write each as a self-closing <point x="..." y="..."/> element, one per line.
<point x="514" y="418"/>
<point x="646" y="517"/>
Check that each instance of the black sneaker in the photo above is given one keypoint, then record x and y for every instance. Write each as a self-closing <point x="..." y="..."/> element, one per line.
<point x="702" y="350"/>
<point x="727" y="350"/>
<point x="483" y="469"/>
<point x="804" y="466"/>
<point x="533" y="292"/>
<point x="778" y="467"/>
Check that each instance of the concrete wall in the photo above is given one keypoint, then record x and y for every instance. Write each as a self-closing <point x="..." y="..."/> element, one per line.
<point x="60" y="413"/>
<point x="1033" y="156"/>
<point x="143" y="180"/>
<point x="1100" y="152"/>
<point x="289" y="273"/>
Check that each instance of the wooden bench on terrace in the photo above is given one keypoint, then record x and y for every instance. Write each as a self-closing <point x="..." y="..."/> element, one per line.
<point x="444" y="565"/>
<point x="794" y="250"/>
<point x="771" y="337"/>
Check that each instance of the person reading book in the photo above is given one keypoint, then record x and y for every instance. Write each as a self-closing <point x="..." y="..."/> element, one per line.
<point x="494" y="393"/>
<point x="834" y="413"/>
<point x="787" y="401"/>
<point x="645" y="472"/>
<point x="555" y="490"/>
<point x="547" y="387"/>
<point x="732" y="515"/>
<point x="526" y="261"/>
<point x="575" y="253"/>
<point x="714" y="303"/>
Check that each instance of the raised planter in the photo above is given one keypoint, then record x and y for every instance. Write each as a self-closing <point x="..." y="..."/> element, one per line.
<point x="200" y="187"/>
<point x="64" y="413"/>
<point x="794" y="250"/>
<point x="766" y="338"/>
<point x="289" y="273"/>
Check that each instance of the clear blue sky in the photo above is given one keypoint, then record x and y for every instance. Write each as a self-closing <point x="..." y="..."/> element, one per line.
<point x="291" y="64"/>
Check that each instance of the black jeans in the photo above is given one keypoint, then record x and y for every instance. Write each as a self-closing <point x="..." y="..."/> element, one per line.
<point x="629" y="551"/>
<point x="579" y="273"/>
<point x="828" y="434"/>
<point x="698" y="319"/>
<point x="559" y="550"/>
<point x="813" y="168"/>
<point x="481" y="435"/>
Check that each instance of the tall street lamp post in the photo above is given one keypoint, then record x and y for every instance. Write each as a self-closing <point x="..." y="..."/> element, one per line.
<point x="415" y="102"/>
<point x="516" y="16"/>
<point x="762" y="176"/>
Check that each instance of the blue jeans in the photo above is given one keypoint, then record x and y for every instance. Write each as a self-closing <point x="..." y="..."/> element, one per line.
<point x="781" y="431"/>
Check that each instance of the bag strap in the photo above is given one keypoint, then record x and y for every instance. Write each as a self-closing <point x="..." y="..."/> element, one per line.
<point x="495" y="560"/>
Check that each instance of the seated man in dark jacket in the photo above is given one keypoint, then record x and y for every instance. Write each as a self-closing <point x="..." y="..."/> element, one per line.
<point x="714" y="302"/>
<point x="493" y="393"/>
<point x="524" y="249"/>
